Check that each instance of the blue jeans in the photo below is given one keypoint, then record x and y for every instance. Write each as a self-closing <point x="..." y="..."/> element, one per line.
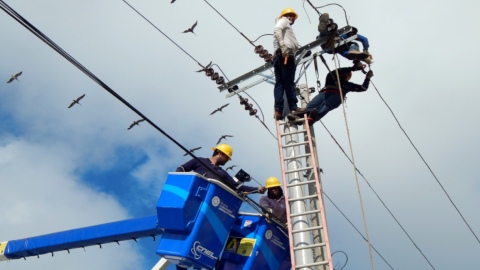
<point x="344" y="49"/>
<point x="284" y="82"/>
<point x="324" y="102"/>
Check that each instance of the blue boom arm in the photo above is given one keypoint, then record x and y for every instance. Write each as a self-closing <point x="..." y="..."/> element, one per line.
<point x="78" y="238"/>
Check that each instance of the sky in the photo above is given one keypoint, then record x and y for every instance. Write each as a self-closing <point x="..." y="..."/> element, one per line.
<point x="62" y="168"/>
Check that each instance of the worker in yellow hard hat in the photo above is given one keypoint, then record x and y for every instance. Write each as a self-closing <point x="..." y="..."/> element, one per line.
<point x="221" y="155"/>
<point x="285" y="46"/>
<point x="274" y="202"/>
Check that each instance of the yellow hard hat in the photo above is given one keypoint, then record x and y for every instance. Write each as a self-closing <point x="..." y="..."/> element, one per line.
<point x="272" y="182"/>
<point x="224" y="148"/>
<point x="288" y="10"/>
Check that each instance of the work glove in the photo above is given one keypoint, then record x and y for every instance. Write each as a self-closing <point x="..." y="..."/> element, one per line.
<point x="268" y="217"/>
<point x="369" y="74"/>
<point x="366" y="51"/>
<point x="284" y="49"/>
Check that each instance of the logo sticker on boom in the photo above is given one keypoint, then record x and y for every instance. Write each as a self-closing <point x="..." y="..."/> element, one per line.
<point x="215" y="201"/>
<point x="268" y="234"/>
<point x="197" y="251"/>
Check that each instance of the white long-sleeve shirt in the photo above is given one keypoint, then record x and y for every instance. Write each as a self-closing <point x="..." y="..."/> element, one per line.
<point x="284" y="28"/>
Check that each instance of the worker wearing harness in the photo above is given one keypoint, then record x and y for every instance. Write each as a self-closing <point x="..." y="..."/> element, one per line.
<point x="350" y="50"/>
<point x="221" y="155"/>
<point x="329" y="97"/>
<point x="274" y="202"/>
<point x="285" y="46"/>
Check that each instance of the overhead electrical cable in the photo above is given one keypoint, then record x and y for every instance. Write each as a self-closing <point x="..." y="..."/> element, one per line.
<point x="356" y="229"/>
<point x="413" y="242"/>
<point x="163" y="33"/>
<point x="249" y="41"/>
<point x="195" y="59"/>
<point x="424" y="161"/>
<point x="87" y="72"/>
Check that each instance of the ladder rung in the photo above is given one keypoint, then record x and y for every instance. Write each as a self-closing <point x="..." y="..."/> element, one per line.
<point x="303" y="198"/>
<point x="294" y="144"/>
<point x="302" y="183"/>
<point x="305" y="213"/>
<point x="298" y="170"/>
<point x="299" y="156"/>
<point x="296" y="132"/>
<point x="311" y="264"/>
<point x="308" y="229"/>
<point x="296" y="121"/>
<point x="310" y="246"/>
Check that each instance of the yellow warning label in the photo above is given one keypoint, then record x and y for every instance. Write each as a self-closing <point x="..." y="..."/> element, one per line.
<point x="246" y="246"/>
<point x="2" y="247"/>
<point x="232" y="245"/>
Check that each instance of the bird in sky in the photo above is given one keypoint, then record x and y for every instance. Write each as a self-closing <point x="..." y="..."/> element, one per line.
<point x="220" y="109"/>
<point x="76" y="101"/>
<point x="223" y="137"/>
<point x="204" y="68"/>
<point x="135" y="123"/>
<point x="192" y="150"/>
<point x="14" y="77"/>
<point x="172" y="1"/>
<point x="231" y="167"/>
<point x="191" y="28"/>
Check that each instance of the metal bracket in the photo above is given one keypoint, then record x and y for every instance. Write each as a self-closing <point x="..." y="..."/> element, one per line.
<point x="301" y="52"/>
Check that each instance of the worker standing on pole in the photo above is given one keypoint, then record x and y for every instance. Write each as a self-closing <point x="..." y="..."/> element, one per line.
<point x="221" y="155"/>
<point x="274" y="202"/>
<point x="285" y="46"/>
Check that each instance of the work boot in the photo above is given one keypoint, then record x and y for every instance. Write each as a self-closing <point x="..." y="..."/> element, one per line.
<point x="354" y="55"/>
<point x="299" y="111"/>
<point x="278" y="115"/>
<point x="324" y="20"/>
<point x="312" y="117"/>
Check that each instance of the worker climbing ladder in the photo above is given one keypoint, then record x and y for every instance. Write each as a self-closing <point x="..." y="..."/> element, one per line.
<point x="307" y="227"/>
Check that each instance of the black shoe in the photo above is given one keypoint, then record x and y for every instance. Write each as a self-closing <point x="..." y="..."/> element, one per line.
<point x="313" y="115"/>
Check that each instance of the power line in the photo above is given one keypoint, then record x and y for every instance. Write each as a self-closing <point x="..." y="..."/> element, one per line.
<point x="163" y="33"/>
<point x="249" y="41"/>
<point x="87" y="72"/>
<point x="356" y="229"/>
<point x="424" y="161"/>
<point x="413" y="242"/>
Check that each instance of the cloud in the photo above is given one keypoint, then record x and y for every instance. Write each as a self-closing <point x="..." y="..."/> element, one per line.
<point x="41" y="194"/>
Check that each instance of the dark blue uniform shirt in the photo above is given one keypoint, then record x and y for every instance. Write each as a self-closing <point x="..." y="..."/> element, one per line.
<point x="278" y="207"/>
<point x="197" y="167"/>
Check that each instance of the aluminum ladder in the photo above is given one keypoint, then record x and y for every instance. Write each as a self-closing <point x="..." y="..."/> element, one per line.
<point x="300" y="230"/>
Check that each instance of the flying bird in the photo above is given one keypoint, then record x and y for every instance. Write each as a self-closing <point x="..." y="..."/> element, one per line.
<point x="191" y="28"/>
<point x="172" y="1"/>
<point x="192" y="150"/>
<point x="223" y="137"/>
<point x="230" y="168"/>
<point x="220" y="109"/>
<point x="135" y="123"/>
<point x="14" y="77"/>
<point x="76" y="101"/>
